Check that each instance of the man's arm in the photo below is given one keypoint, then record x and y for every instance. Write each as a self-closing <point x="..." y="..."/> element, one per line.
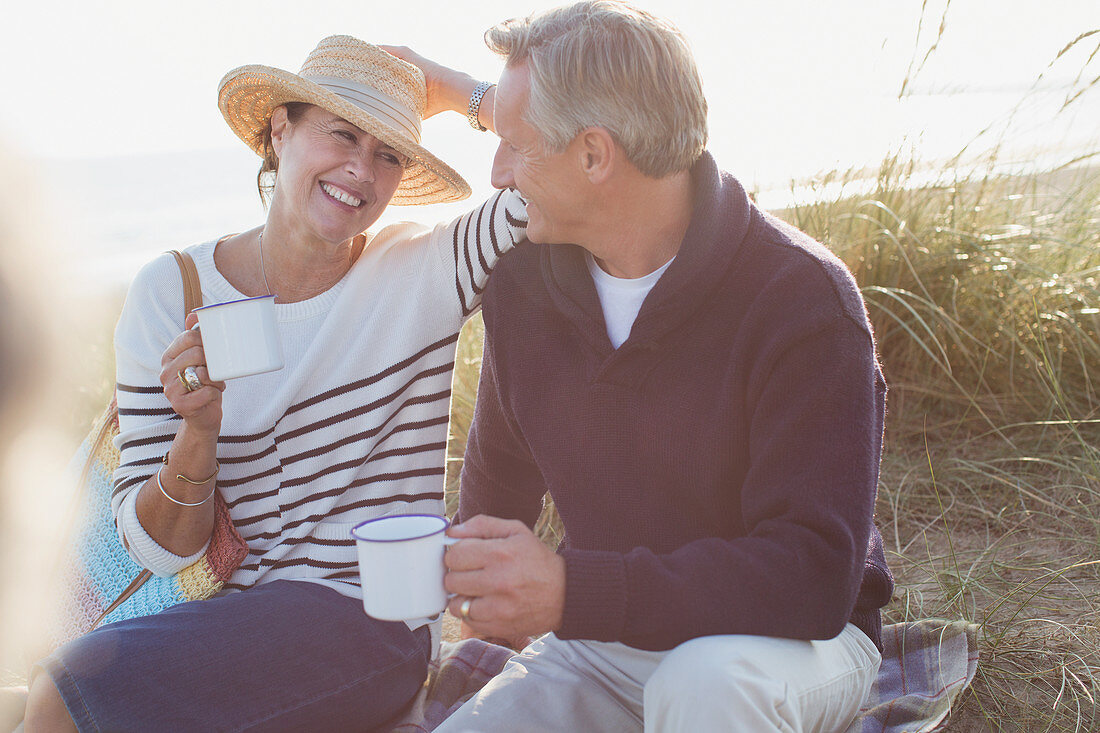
<point x="516" y="583"/>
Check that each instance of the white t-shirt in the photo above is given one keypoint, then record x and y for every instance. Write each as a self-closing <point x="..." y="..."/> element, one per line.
<point x="621" y="298"/>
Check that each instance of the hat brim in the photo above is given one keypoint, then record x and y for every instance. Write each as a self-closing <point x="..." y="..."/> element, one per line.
<point x="248" y="95"/>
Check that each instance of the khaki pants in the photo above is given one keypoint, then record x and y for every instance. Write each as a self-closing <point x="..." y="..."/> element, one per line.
<point x="715" y="683"/>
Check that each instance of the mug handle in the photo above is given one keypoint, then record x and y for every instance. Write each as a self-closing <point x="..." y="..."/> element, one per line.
<point x="447" y="542"/>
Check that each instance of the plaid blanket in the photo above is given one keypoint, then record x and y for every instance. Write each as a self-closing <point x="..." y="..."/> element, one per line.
<point x="925" y="665"/>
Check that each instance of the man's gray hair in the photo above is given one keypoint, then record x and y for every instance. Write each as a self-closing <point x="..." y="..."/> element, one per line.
<point x="603" y="63"/>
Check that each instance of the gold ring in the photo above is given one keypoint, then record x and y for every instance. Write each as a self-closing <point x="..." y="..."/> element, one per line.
<point x="464" y="609"/>
<point x="190" y="379"/>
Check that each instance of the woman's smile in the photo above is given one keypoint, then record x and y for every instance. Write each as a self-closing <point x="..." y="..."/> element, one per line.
<point x="341" y="196"/>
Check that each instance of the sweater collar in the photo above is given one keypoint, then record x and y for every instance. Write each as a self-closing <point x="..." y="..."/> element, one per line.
<point x="721" y="217"/>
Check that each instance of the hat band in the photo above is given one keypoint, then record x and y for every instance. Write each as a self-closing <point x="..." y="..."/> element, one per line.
<point x="384" y="107"/>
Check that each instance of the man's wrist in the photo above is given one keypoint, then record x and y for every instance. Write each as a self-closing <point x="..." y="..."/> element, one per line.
<point x="473" y="107"/>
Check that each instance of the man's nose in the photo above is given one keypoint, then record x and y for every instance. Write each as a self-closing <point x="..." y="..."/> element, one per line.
<point x="501" y="175"/>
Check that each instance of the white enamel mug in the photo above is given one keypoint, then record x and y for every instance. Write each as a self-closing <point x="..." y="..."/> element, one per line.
<point x="240" y="338"/>
<point x="401" y="565"/>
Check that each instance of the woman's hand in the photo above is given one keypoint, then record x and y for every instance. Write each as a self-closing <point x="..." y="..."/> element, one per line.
<point x="448" y="89"/>
<point x="202" y="408"/>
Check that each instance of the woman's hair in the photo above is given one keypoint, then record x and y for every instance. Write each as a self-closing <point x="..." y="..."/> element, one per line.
<point x="269" y="166"/>
<point x="603" y="63"/>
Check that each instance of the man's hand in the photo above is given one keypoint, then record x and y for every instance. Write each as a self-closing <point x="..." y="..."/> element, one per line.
<point x="515" y="584"/>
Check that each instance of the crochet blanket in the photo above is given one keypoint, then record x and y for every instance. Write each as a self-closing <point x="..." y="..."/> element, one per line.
<point x="925" y="665"/>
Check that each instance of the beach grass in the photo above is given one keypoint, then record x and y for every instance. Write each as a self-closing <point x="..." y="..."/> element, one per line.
<point x="984" y="294"/>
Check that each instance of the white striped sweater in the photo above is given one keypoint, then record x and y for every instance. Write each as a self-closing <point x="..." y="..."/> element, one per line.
<point x="355" y="424"/>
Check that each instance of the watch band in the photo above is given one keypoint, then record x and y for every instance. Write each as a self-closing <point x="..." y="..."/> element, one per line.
<point x="474" y="107"/>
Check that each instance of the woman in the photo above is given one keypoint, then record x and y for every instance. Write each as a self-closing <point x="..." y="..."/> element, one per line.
<point x="354" y="426"/>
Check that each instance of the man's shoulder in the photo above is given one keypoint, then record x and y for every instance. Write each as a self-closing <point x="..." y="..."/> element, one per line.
<point x="786" y="258"/>
<point x="515" y="274"/>
<point x="770" y="253"/>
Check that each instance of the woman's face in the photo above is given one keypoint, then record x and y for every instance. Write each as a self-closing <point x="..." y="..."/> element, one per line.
<point x="334" y="180"/>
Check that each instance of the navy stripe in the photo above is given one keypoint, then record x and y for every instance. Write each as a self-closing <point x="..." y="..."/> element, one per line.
<point x="253" y="497"/>
<point x="365" y="481"/>
<point x="155" y="440"/>
<point x="245" y="438"/>
<point x="355" y="437"/>
<point x="132" y="481"/>
<point x="139" y="390"/>
<point x="513" y="221"/>
<point x="466" y="309"/>
<point x="336" y="391"/>
<point x="228" y="483"/>
<point x="294" y="541"/>
<point x="369" y="407"/>
<point x="380" y="501"/>
<point x="493" y="230"/>
<point x="248" y="458"/>
<point x="297" y="562"/>
<point x="148" y="411"/>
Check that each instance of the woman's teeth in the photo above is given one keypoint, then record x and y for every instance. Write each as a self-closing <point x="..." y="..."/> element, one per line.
<point x="340" y="196"/>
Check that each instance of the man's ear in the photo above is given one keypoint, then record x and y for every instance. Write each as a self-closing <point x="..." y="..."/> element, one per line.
<point x="598" y="153"/>
<point x="280" y="124"/>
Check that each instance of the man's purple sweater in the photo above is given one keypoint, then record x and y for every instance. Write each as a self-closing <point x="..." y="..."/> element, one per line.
<point x="715" y="474"/>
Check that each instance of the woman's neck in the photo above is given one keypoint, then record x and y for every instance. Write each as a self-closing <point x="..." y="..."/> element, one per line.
<point x="290" y="267"/>
<point x="297" y="268"/>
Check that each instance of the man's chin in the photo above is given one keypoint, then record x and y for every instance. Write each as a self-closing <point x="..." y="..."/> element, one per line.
<point x="537" y="233"/>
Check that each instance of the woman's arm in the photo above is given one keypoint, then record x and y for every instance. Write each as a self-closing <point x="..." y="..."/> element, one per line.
<point x="157" y="415"/>
<point x="449" y="90"/>
<point x="183" y="530"/>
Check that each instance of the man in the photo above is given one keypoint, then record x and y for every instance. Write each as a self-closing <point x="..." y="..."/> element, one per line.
<point x="695" y="384"/>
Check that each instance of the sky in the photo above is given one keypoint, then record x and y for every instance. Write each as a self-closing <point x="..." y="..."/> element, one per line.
<point x="792" y="85"/>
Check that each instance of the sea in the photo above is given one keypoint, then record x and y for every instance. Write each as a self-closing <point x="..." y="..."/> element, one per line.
<point x="119" y="212"/>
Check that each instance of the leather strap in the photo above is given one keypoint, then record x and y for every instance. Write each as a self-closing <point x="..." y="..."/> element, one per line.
<point x="131" y="589"/>
<point x="192" y="288"/>
<point x="192" y="299"/>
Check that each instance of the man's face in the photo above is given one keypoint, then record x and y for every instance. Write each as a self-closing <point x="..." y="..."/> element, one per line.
<point x="552" y="183"/>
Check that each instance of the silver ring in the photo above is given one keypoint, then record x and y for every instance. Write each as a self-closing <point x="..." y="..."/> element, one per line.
<point x="464" y="609"/>
<point x="190" y="379"/>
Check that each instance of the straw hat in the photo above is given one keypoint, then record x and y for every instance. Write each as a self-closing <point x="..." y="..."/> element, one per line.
<point x="378" y="93"/>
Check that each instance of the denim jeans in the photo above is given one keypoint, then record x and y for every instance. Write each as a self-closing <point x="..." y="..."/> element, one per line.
<point x="285" y="655"/>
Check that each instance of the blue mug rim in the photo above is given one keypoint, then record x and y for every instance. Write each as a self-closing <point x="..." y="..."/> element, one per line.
<point x="446" y="525"/>
<point x="231" y="302"/>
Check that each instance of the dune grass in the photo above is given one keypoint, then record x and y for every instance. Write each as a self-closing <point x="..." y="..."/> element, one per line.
<point x="985" y="300"/>
<point x="984" y="294"/>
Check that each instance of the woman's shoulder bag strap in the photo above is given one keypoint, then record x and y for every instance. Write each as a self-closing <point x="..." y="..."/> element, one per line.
<point x="192" y="299"/>
<point x="192" y="288"/>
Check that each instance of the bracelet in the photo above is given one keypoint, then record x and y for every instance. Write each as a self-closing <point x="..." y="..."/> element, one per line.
<point x="475" y="104"/>
<point x="181" y="477"/>
<point x="177" y="501"/>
